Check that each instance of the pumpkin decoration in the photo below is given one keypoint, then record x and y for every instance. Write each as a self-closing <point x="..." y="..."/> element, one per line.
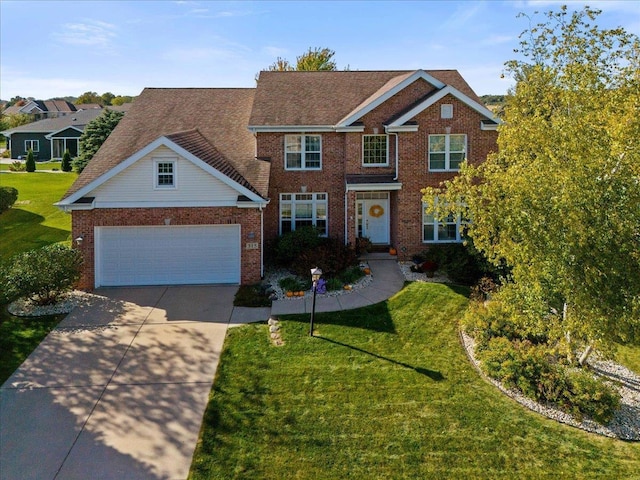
<point x="367" y="271"/>
<point x="289" y="293"/>
<point x="393" y="251"/>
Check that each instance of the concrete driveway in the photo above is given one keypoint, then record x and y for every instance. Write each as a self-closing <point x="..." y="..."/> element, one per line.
<point x="118" y="389"/>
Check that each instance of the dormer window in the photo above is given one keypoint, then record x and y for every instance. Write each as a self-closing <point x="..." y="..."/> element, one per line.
<point x="375" y="151"/>
<point x="165" y="174"/>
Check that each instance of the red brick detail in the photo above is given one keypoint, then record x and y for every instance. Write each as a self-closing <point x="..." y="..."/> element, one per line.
<point x="84" y="222"/>
<point x="342" y="155"/>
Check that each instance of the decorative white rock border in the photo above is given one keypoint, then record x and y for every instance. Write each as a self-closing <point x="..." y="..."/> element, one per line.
<point x="625" y="424"/>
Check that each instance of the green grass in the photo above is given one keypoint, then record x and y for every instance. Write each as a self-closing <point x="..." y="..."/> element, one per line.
<point x="382" y="392"/>
<point x="33" y="221"/>
<point x="40" y="166"/>
<point x="19" y="337"/>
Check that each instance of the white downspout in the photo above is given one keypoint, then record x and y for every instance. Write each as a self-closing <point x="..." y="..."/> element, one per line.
<point x="397" y="156"/>
<point x="261" y="241"/>
<point x="346" y="216"/>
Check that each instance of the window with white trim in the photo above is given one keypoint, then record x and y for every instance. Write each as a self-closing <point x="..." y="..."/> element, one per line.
<point x="375" y="150"/>
<point x="165" y="176"/>
<point x="33" y="145"/>
<point x="303" y="209"/>
<point x="302" y="152"/>
<point x="449" y="229"/>
<point x="447" y="151"/>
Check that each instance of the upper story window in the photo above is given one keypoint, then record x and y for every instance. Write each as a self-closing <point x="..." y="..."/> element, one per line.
<point x="165" y="174"/>
<point x="447" y="152"/>
<point x="33" y="145"/>
<point x="375" y="150"/>
<point x="302" y="152"/>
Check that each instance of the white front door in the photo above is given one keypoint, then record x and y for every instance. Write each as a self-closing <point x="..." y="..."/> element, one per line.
<point x="375" y="217"/>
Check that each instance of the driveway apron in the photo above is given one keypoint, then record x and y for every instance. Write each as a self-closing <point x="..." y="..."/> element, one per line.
<point x="118" y="389"/>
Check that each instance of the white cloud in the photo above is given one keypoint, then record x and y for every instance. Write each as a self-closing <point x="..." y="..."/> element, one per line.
<point x="91" y="33"/>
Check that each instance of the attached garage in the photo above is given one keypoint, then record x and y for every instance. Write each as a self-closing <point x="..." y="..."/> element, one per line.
<point x="167" y="255"/>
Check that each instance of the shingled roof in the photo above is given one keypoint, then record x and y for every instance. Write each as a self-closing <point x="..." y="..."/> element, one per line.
<point x="218" y="115"/>
<point x="325" y="98"/>
<point x="74" y="119"/>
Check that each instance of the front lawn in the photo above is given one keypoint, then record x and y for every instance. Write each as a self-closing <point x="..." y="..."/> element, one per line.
<point x="382" y="392"/>
<point x="33" y="221"/>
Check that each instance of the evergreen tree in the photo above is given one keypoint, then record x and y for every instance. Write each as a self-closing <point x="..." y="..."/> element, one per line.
<point x="31" y="162"/>
<point x="66" y="161"/>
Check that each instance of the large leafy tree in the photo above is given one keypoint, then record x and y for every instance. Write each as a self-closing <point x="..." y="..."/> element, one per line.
<point x="314" y="59"/>
<point x="94" y="135"/>
<point x="89" y="97"/>
<point x="560" y="200"/>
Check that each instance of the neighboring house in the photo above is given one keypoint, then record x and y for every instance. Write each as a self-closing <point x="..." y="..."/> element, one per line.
<point x="41" y="109"/>
<point x="49" y="138"/>
<point x="193" y="183"/>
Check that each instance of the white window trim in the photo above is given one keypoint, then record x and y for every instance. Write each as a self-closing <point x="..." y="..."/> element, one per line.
<point x="156" y="163"/>
<point x="447" y="152"/>
<point x="303" y="152"/>
<point x="373" y="165"/>
<point x="459" y="224"/>
<point x="314" y="203"/>
<point x="32" y="142"/>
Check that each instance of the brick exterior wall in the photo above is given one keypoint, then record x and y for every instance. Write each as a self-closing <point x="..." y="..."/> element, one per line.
<point x="342" y="155"/>
<point x="84" y="221"/>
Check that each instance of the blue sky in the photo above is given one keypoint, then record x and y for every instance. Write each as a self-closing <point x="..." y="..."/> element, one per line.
<point x="58" y="48"/>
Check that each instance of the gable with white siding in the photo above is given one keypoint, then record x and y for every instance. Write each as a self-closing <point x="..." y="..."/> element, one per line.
<point x="135" y="185"/>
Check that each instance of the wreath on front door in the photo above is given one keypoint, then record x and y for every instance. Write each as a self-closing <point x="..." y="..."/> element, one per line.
<point x="376" y="211"/>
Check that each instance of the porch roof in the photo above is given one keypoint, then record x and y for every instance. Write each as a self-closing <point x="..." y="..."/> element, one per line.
<point x="358" y="182"/>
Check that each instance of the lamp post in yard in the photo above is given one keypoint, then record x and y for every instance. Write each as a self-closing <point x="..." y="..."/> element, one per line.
<point x="316" y="273"/>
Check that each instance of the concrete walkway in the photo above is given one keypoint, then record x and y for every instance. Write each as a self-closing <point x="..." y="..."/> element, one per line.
<point x="119" y="388"/>
<point x="387" y="280"/>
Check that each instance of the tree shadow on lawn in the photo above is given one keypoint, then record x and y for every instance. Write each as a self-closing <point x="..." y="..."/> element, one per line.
<point x="374" y="317"/>
<point x="432" y="374"/>
<point x="27" y="229"/>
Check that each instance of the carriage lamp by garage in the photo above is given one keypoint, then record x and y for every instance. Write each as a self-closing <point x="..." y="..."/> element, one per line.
<point x="79" y="240"/>
<point x="316" y="273"/>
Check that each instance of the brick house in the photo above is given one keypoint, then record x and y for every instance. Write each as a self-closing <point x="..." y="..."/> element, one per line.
<point x="193" y="182"/>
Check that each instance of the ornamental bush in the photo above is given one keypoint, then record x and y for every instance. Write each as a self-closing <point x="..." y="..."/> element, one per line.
<point x="42" y="275"/>
<point x="290" y="245"/>
<point x="66" y="162"/>
<point x="535" y="371"/>
<point x="31" y="162"/>
<point x="8" y="196"/>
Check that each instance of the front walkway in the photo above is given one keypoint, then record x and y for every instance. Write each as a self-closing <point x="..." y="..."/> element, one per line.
<point x="387" y="280"/>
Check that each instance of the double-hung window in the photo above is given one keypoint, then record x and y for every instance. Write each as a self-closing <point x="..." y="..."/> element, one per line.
<point x="302" y="152"/>
<point x="449" y="229"/>
<point x="33" y="145"/>
<point x="165" y="174"/>
<point x="375" y="150"/>
<point x="303" y="209"/>
<point x="447" y="152"/>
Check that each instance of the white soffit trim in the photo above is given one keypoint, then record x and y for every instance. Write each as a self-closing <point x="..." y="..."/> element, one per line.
<point x="52" y="134"/>
<point x="400" y="128"/>
<point x="357" y="114"/>
<point x="162" y="141"/>
<point x="372" y="187"/>
<point x="448" y="90"/>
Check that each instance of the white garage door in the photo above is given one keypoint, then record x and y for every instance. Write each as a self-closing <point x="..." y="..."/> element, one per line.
<point x="167" y="255"/>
